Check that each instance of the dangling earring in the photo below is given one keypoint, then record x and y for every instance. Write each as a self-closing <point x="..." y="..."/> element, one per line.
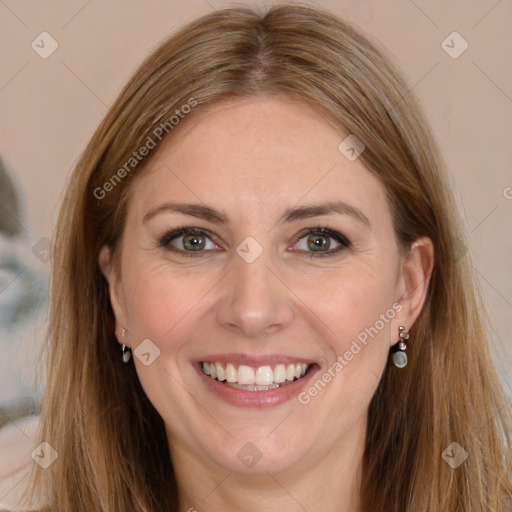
<point x="400" y="357"/>
<point x="126" y="351"/>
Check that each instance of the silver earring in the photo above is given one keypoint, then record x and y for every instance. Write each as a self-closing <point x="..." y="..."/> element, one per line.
<point x="400" y="357"/>
<point x="127" y="353"/>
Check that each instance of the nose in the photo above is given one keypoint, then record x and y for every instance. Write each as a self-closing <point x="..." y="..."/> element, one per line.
<point x="255" y="301"/>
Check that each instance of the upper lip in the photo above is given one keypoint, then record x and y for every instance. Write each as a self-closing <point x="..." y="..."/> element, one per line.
<point x="253" y="360"/>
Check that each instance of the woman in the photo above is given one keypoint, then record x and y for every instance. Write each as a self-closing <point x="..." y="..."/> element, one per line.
<point x="258" y="302"/>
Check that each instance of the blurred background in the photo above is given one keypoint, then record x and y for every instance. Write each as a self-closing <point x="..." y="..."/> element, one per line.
<point x="64" y="62"/>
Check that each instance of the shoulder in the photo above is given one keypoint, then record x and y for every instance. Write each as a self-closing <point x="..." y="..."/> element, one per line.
<point x="18" y="440"/>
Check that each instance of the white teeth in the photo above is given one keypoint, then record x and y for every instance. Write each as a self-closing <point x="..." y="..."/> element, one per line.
<point x="263" y="378"/>
<point x="280" y="373"/>
<point x="245" y="375"/>
<point x="220" y="372"/>
<point x="231" y="373"/>
<point x="254" y="388"/>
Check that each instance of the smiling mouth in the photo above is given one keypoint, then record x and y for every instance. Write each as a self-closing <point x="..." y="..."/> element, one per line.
<point x="261" y="378"/>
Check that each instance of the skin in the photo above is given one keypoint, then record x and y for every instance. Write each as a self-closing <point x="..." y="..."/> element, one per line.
<point x="253" y="159"/>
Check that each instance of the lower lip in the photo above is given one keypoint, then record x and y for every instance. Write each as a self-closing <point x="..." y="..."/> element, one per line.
<point x="259" y="399"/>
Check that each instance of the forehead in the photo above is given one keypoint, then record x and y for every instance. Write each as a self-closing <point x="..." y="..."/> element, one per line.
<point x="261" y="154"/>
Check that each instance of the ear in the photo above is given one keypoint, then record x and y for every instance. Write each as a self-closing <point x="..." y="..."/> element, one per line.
<point x="414" y="279"/>
<point x="115" y="288"/>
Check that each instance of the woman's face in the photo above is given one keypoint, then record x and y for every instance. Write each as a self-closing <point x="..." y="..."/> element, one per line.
<point x="285" y="261"/>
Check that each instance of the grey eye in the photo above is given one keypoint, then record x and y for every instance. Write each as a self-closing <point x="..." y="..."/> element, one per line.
<point x="193" y="242"/>
<point x="318" y="242"/>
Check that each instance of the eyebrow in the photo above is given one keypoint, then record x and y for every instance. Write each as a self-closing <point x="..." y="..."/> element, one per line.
<point x="307" y="211"/>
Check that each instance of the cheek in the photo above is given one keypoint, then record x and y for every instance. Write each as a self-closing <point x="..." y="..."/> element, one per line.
<point x="157" y="299"/>
<point x="357" y="307"/>
<point x="351" y="301"/>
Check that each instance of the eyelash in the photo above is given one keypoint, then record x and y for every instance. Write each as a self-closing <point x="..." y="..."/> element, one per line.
<point x="317" y="230"/>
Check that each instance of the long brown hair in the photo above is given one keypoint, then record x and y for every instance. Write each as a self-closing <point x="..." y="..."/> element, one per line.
<point x="112" y="446"/>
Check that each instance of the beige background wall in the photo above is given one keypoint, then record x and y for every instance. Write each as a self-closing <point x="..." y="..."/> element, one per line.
<point x="50" y="107"/>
